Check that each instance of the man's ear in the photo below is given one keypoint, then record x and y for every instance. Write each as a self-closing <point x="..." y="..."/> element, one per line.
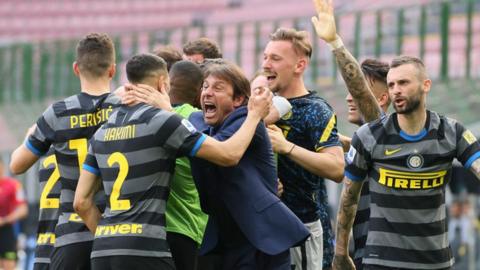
<point x="301" y="65"/>
<point x="238" y="100"/>
<point x="112" y="70"/>
<point x="76" y="69"/>
<point x="427" y="83"/>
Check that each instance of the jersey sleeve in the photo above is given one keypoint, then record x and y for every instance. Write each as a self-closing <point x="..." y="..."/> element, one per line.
<point x="39" y="142"/>
<point x="468" y="147"/>
<point x="356" y="160"/>
<point x="180" y="136"/>
<point x="90" y="164"/>
<point x="323" y="127"/>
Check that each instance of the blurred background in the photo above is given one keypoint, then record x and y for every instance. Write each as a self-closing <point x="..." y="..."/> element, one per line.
<point x="37" y="48"/>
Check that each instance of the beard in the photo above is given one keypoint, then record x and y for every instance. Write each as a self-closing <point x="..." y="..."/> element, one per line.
<point x="411" y="105"/>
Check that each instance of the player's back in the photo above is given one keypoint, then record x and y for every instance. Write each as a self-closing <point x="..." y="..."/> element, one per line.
<point x="68" y="125"/>
<point x="134" y="153"/>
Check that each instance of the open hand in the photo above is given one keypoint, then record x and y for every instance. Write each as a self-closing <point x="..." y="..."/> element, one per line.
<point x="324" y="22"/>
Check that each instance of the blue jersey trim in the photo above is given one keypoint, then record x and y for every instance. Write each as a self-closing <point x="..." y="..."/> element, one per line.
<point x="413" y="138"/>
<point x="32" y="148"/>
<point x="353" y="177"/>
<point x="472" y="159"/>
<point x="91" y="169"/>
<point x="197" y="145"/>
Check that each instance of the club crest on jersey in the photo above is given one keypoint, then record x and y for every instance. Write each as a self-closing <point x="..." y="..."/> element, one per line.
<point x="415" y="161"/>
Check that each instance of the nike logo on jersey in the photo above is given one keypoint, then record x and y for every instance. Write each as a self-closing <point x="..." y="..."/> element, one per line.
<point x="389" y="152"/>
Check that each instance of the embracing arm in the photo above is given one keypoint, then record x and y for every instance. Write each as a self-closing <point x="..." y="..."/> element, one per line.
<point x="345" y="217"/>
<point x="324" y="24"/>
<point x="228" y="153"/>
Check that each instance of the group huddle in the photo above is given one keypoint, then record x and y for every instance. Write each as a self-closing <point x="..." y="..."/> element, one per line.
<point x="192" y="166"/>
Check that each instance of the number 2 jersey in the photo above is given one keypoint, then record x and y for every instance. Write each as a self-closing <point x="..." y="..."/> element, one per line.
<point x="48" y="176"/>
<point x="134" y="154"/>
<point x="67" y="125"/>
<point x="407" y="175"/>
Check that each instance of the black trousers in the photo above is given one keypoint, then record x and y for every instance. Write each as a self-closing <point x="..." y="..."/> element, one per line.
<point x="72" y="257"/>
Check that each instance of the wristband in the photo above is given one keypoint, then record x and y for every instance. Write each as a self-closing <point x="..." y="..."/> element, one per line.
<point x="337" y="43"/>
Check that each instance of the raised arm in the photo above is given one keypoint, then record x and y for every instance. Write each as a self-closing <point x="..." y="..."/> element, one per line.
<point x="345" y="217"/>
<point x="324" y="24"/>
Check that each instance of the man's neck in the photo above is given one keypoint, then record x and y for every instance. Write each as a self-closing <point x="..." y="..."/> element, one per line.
<point x="95" y="87"/>
<point x="295" y="89"/>
<point x="414" y="122"/>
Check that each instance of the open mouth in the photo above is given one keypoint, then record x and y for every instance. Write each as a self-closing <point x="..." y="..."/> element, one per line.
<point x="209" y="109"/>
<point x="399" y="102"/>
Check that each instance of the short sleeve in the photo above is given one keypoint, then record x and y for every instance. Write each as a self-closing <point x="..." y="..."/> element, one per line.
<point x="323" y="127"/>
<point x="356" y="160"/>
<point x="179" y="136"/>
<point x="39" y="142"/>
<point x="90" y="164"/>
<point x="468" y="147"/>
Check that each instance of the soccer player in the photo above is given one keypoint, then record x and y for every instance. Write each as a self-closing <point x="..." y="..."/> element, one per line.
<point x="406" y="158"/>
<point x="200" y="49"/>
<point x="48" y="176"/>
<point x="307" y="143"/>
<point x="134" y="153"/>
<point x="367" y="87"/>
<point x="248" y="226"/>
<point x="67" y="125"/>
<point x="12" y="209"/>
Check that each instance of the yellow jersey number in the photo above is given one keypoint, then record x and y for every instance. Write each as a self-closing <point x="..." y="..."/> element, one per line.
<point x="46" y="202"/>
<point x="121" y="160"/>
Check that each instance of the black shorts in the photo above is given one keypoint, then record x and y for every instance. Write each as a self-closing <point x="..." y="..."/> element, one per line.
<point x="72" y="257"/>
<point x="8" y="243"/>
<point x="132" y="262"/>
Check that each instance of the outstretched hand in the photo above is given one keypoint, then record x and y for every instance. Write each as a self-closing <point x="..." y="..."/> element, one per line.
<point x="324" y="22"/>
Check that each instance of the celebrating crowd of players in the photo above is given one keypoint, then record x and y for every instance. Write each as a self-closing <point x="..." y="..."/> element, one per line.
<point x="191" y="166"/>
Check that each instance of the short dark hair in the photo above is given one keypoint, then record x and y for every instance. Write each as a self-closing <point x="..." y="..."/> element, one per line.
<point x="142" y="66"/>
<point x="232" y="74"/>
<point x="299" y="39"/>
<point x="169" y="53"/>
<point x="186" y="80"/>
<point x="95" y="54"/>
<point x="204" y="46"/>
<point x="405" y="60"/>
<point x="375" y="69"/>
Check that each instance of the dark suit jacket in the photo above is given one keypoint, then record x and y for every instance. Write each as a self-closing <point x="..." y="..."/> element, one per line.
<point x="248" y="191"/>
